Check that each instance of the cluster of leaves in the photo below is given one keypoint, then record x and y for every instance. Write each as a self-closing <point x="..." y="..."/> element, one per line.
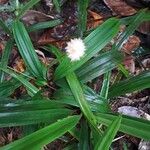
<point x="73" y="93"/>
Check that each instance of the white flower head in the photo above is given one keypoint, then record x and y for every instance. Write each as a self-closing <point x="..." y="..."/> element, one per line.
<point x="75" y="49"/>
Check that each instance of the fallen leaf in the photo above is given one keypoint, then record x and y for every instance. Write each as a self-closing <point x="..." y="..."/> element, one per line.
<point x="95" y="19"/>
<point x="120" y="7"/>
<point x="32" y="17"/>
<point x="19" y="65"/>
<point x="3" y="1"/>
<point x="144" y="27"/>
<point x="131" y="44"/>
<point x="129" y="64"/>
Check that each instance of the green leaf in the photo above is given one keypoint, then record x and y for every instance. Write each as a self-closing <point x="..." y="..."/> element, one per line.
<point x="129" y="125"/>
<point x="136" y="83"/>
<point x="44" y="25"/>
<point x="57" y="5"/>
<point x="95" y="102"/>
<point x="79" y="96"/>
<point x="8" y="87"/>
<point x="135" y="22"/>
<point x="30" y="87"/>
<point x="27" y="51"/>
<point x="105" y="141"/>
<point x="84" y="136"/>
<point x="44" y="136"/>
<point x="100" y="37"/>
<point x="26" y="7"/>
<point x="30" y="112"/>
<point x="4" y="27"/>
<point x="99" y="65"/>
<point x="5" y="58"/>
<point x="82" y="15"/>
<point x="105" y="85"/>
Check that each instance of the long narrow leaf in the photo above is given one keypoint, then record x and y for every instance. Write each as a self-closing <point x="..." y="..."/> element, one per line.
<point x="44" y="136"/>
<point x="99" y="37"/>
<point x="30" y="112"/>
<point x="84" y="137"/>
<point x="27" y="51"/>
<point x="82" y="15"/>
<point x="105" y="85"/>
<point x="4" y="27"/>
<point x="99" y="65"/>
<point x="78" y="94"/>
<point x="32" y="89"/>
<point x="136" y="83"/>
<point x="130" y="125"/>
<point x="135" y="22"/>
<point x="5" y="58"/>
<point x="105" y="141"/>
<point x="8" y="87"/>
<point x="26" y="7"/>
<point x="43" y="25"/>
<point x="57" y="5"/>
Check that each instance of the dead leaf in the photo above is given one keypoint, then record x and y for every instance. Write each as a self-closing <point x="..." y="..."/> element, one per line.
<point x="3" y="1"/>
<point x="129" y="64"/>
<point x="32" y="17"/>
<point x="131" y="44"/>
<point x="120" y="7"/>
<point x="95" y="19"/>
<point x="1" y="48"/>
<point x="144" y="28"/>
<point x="19" y="65"/>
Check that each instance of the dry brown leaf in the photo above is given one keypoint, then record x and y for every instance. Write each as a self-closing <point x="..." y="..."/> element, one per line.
<point x="1" y="48"/>
<point x="120" y="7"/>
<point x="32" y="17"/>
<point x="3" y="1"/>
<point x="19" y="65"/>
<point x="129" y="64"/>
<point x="144" y="27"/>
<point x="96" y="19"/>
<point x="132" y="43"/>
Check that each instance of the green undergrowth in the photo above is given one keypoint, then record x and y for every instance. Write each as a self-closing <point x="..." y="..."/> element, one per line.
<point x="74" y="108"/>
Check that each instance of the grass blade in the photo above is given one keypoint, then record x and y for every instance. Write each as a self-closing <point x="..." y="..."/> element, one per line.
<point x="44" y="25"/>
<point x="130" y="125"/>
<point x="135" y="22"/>
<point x="44" y="136"/>
<point x="57" y="5"/>
<point x="24" y="112"/>
<point x="4" y="27"/>
<point x="32" y="89"/>
<point x="8" y="87"/>
<point x="84" y="136"/>
<point x="105" y="85"/>
<point x="78" y="94"/>
<point x="99" y="65"/>
<point x="100" y="37"/>
<point x="82" y="15"/>
<point x="26" y="7"/>
<point x="5" y="58"/>
<point x="136" y="83"/>
<point x="105" y="141"/>
<point x="27" y="51"/>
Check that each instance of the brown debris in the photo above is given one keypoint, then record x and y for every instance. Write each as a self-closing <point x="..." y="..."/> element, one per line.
<point x="19" y="65"/>
<point x="144" y="27"/>
<point x="132" y="43"/>
<point x="96" y="19"/>
<point x="3" y="1"/>
<point x="120" y="7"/>
<point x="32" y="17"/>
